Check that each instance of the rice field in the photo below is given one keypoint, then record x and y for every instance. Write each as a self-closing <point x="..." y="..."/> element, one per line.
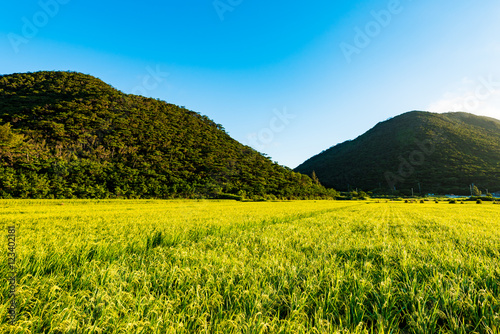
<point x="146" y="266"/>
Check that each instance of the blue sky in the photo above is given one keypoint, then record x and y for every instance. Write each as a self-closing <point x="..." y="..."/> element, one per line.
<point x="288" y="78"/>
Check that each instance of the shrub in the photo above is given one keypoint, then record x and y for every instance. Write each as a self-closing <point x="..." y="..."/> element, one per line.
<point x="422" y="201"/>
<point x="453" y="201"/>
<point x="229" y="196"/>
<point x="479" y="201"/>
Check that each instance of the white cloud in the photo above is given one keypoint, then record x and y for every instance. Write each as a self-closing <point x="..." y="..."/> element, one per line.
<point x="494" y="48"/>
<point x="480" y="97"/>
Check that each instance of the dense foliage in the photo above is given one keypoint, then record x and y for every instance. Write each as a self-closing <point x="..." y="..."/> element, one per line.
<point x="65" y="135"/>
<point x="431" y="153"/>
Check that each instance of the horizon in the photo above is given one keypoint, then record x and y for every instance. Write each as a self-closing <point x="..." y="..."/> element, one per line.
<point x="288" y="90"/>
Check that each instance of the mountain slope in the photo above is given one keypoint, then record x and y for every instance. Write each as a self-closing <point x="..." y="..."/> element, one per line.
<point x="437" y="153"/>
<point x="65" y="134"/>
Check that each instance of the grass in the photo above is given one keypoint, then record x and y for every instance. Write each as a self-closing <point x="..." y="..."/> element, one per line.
<point x="123" y="266"/>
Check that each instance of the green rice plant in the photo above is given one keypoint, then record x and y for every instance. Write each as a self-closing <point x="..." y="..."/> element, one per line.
<point x="130" y="266"/>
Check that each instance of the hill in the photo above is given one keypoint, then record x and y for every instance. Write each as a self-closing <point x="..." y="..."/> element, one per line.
<point x="431" y="153"/>
<point x="66" y="134"/>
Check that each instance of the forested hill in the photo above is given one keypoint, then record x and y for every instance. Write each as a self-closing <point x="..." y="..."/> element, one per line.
<point x="66" y="134"/>
<point x="431" y="153"/>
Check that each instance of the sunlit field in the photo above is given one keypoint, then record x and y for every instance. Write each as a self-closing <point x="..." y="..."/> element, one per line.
<point x="124" y="266"/>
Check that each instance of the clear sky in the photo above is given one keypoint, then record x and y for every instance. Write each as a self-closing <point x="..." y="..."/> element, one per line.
<point x="289" y="78"/>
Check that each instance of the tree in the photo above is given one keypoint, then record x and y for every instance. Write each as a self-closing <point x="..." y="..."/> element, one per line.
<point x="8" y="138"/>
<point x="362" y="195"/>
<point x="315" y="178"/>
<point x="476" y="191"/>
